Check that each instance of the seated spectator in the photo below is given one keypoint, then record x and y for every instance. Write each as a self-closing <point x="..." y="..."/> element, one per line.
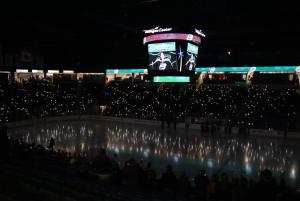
<point x="147" y="178"/>
<point x="168" y="180"/>
<point x="266" y="188"/>
<point x="201" y="183"/>
<point x="184" y="184"/>
<point x="225" y="187"/>
<point x="151" y="176"/>
<point x="4" y="144"/>
<point x="102" y="163"/>
<point x="131" y="172"/>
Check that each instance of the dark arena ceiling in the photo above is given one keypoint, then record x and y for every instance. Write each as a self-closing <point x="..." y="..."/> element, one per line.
<point x="109" y="34"/>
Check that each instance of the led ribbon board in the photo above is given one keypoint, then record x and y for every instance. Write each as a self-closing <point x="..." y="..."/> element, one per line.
<point x="171" y="79"/>
<point x="283" y="69"/>
<point x="222" y="69"/>
<point x="241" y="69"/>
<point x="125" y="71"/>
<point x="172" y="36"/>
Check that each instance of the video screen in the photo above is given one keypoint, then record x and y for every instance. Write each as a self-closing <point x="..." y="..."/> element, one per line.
<point x="191" y="57"/>
<point x="171" y="79"/>
<point x="162" y="56"/>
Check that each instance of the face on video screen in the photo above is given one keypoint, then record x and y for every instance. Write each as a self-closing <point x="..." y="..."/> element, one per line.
<point x="162" y="56"/>
<point x="191" y="57"/>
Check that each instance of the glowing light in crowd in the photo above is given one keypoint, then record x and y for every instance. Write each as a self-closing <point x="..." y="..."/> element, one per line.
<point x="53" y="71"/>
<point x="21" y="70"/>
<point x="37" y="71"/>
<point x="68" y="71"/>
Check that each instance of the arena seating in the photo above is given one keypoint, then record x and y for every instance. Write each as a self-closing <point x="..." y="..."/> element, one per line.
<point x="257" y="106"/>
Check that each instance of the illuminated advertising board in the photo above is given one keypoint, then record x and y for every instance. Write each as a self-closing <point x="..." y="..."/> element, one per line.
<point x="172" y="36"/>
<point x="171" y="79"/>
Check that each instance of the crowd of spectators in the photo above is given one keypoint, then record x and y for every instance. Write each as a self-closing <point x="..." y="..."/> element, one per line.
<point x="229" y="105"/>
<point x="36" y="98"/>
<point x="221" y="104"/>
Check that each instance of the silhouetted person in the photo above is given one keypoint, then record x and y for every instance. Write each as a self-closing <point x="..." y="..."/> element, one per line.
<point x="240" y="190"/>
<point x="201" y="184"/>
<point x="4" y="144"/>
<point x="174" y="120"/>
<point x="282" y="189"/>
<point x="266" y="188"/>
<point x="225" y="188"/>
<point x="168" y="120"/>
<point x="102" y="163"/>
<point x="168" y="180"/>
<point x="150" y="176"/>
<point x="184" y="184"/>
<point x="187" y="120"/>
<point x="213" y="187"/>
<point x="51" y="144"/>
<point x="132" y="172"/>
<point x="116" y="177"/>
<point x="285" y="131"/>
<point x="162" y="120"/>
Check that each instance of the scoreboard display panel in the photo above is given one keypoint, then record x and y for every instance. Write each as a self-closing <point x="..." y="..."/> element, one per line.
<point x="172" y="54"/>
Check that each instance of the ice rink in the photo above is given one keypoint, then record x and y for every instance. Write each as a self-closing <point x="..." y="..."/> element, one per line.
<point x="187" y="150"/>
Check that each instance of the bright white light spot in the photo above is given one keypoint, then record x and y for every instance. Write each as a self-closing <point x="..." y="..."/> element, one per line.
<point x="248" y="169"/>
<point x="293" y="173"/>
<point x="117" y="150"/>
<point x="210" y="163"/>
<point x="176" y="158"/>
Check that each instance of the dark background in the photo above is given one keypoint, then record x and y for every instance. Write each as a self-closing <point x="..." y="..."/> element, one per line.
<point x="86" y="36"/>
